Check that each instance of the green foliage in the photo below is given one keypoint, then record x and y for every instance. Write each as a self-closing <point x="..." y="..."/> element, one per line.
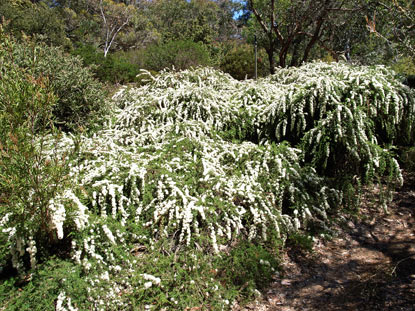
<point x="29" y="178"/>
<point x="43" y="286"/>
<point x="396" y="20"/>
<point x="81" y="25"/>
<point x="197" y="21"/>
<point x="249" y="267"/>
<point x="302" y="241"/>
<point x="239" y="62"/>
<point x="281" y="26"/>
<point x="405" y="66"/>
<point x="186" y="194"/>
<point x="188" y="279"/>
<point x="34" y="19"/>
<point x="178" y="54"/>
<point x="114" y="68"/>
<point x="80" y="98"/>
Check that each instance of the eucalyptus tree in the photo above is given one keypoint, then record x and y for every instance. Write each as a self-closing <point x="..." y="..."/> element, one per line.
<point x="38" y="19"/>
<point x="81" y="27"/>
<point x="293" y="28"/>
<point x="394" y="22"/>
<point x="382" y="33"/>
<point x="203" y="21"/>
<point x="114" y="17"/>
<point x="88" y="22"/>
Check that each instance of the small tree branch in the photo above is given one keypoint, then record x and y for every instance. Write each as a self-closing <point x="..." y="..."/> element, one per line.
<point x="258" y="17"/>
<point x="117" y="31"/>
<point x="323" y="45"/>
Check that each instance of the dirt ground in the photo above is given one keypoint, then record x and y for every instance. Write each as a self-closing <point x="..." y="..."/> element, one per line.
<point x="369" y="265"/>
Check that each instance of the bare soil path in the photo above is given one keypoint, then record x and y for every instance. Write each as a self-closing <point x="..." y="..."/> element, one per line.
<point x="369" y="265"/>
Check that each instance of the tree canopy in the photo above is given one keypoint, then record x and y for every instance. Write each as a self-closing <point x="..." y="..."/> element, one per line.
<point x="289" y="32"/>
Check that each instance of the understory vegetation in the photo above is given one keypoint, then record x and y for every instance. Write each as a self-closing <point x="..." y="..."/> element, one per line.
<point x="180" y="190"/>
<point x="185" y="192"/>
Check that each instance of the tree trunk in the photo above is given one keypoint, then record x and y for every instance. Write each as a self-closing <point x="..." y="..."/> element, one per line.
<point x="271" y="60"/>
<point x="314" y="38"/>
<point x="295" y="54"/>
<point x="284" y="51"/>
<point x="283" y="57"/>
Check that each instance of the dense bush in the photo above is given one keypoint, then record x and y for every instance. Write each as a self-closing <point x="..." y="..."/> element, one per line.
<point x="184" y="196"/>
<point x="404" y="66"/>
<point x="79" y="97"/>
<point x="239" y="62"/>
<point x="29" y="177"/>
<point x="178" y="54"/>
<point x="34" y="18"/>
<point x="340" y="113"/>
<point x="113" y="68"/>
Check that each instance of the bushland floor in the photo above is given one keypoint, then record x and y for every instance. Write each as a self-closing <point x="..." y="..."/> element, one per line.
<point x="369" y="265"/>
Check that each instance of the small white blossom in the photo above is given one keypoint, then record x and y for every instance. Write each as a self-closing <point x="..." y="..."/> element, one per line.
<point x="109" y="234"/>
<point x="148" y="284"/>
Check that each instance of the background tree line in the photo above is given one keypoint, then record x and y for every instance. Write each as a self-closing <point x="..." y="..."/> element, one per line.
<point x="120" y="37"/>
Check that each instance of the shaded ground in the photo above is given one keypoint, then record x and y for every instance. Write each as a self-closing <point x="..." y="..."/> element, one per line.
<point x="370" y="265"/>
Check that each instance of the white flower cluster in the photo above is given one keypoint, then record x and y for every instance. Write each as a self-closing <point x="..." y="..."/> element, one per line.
<point x="109" y="234"/>
<point x="299" y="97"/>
<point x="17" y="251"/>
<point x="235" y="178"/>
<point x="170" y="125"/>
<point x="32" y="250"/>
<point x="152" y="280"/>
<point x="180" y="158"/>
<point x="81" y="213"/>
<point x="18" y="244"/>
<point x="62" y="306"/>
<point x="58" y="212"/>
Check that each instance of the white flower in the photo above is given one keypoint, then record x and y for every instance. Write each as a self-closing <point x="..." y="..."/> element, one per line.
<point x="4" y="220"/>
<point x="152" y="278"/>
<point x="109" y="234"/>
<point x="81" y="217"/>
<point x="105" y="276"/>
<point x="59" y="302"/>
<point x="58" y="217"/>
<point x="148" y="284"/>
<point x="32" y="250"/>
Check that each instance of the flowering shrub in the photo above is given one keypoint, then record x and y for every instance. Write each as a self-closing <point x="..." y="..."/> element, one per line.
<point x="79" y="96"/>
<point x="337" y="107"/>
<point x="31" y="175"/>
<point x="195" y="160"/>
